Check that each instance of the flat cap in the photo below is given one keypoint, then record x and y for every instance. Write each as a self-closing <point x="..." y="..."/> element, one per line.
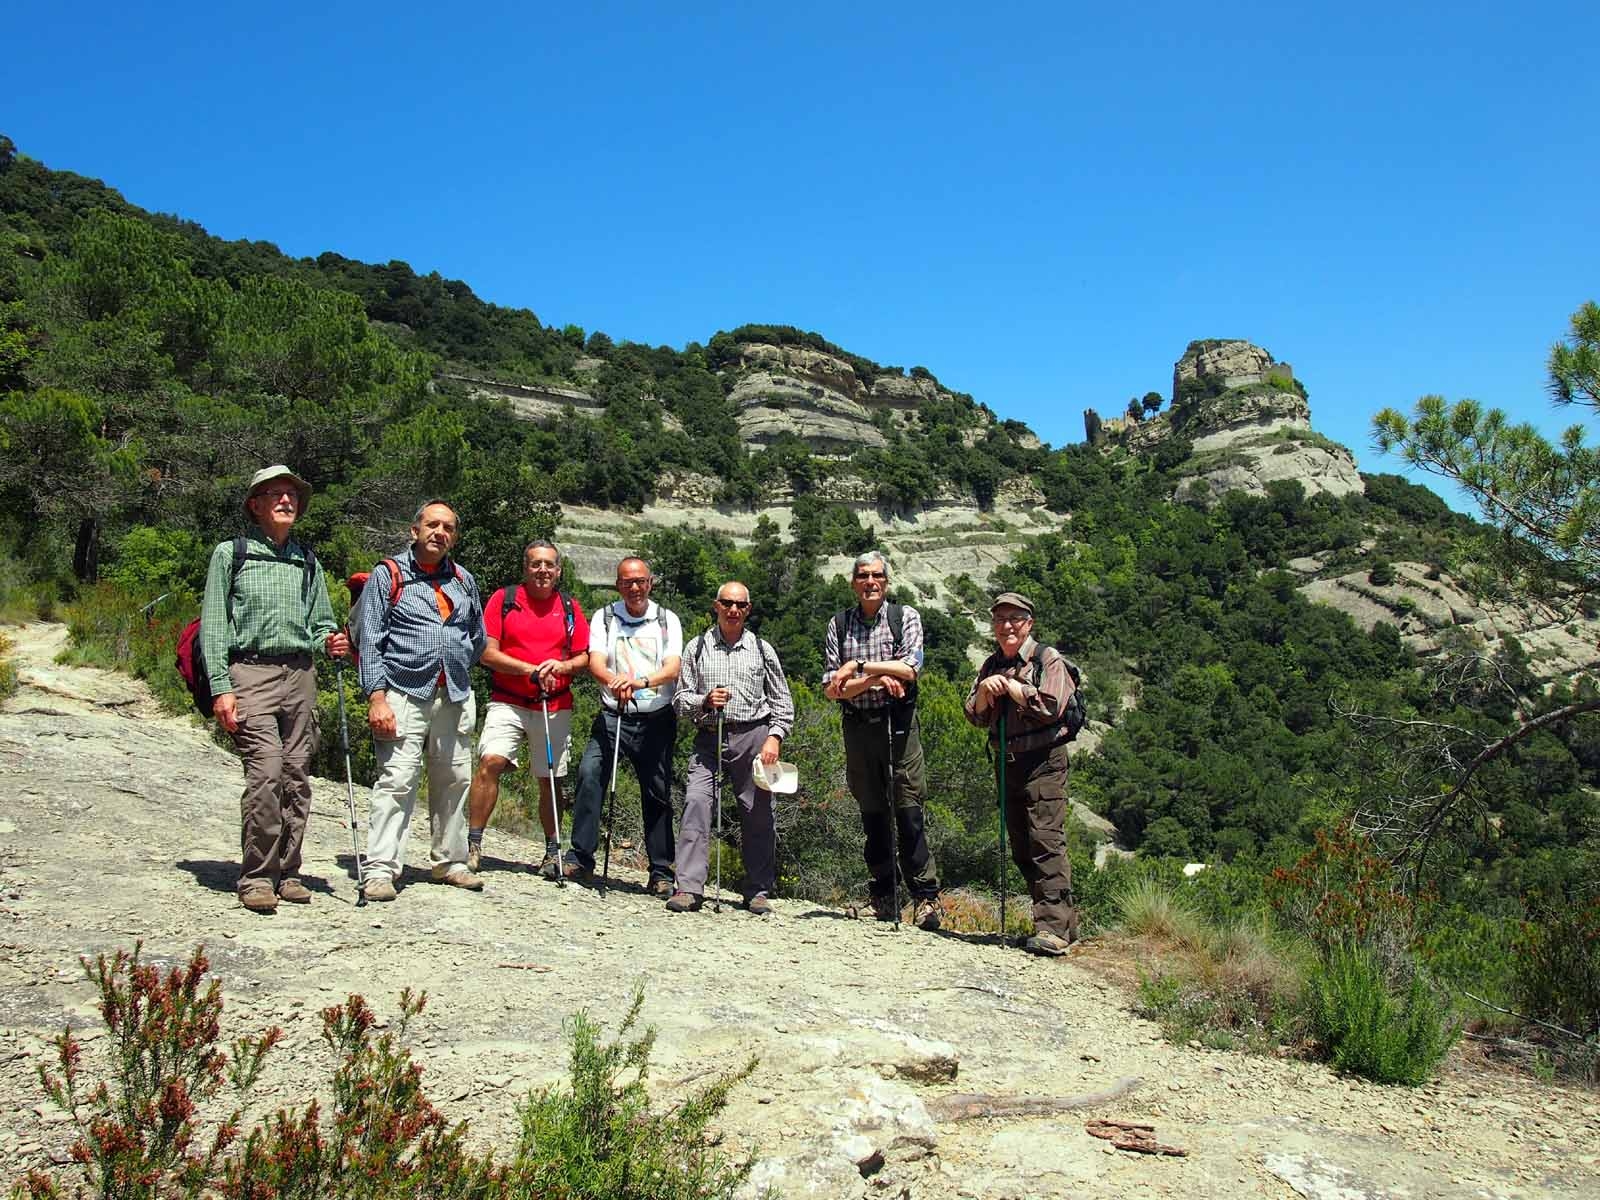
<point x="1014" y="600"/>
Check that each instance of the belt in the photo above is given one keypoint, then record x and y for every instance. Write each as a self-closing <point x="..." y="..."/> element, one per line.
<point x="299" y="658"/>
<point x="867" y="716"/>
<point x="654" y="714"/>
<point x="738" y="726"/>
<point x="1036" y="752"/>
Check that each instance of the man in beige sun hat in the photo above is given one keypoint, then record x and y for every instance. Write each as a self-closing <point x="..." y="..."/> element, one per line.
<point x="265" y="611"/>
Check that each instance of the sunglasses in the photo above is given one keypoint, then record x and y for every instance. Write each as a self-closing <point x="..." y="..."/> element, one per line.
<point x="736" y="605"/>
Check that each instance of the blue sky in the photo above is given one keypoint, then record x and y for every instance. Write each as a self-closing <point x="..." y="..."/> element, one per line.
<point x="1041" y="203"/>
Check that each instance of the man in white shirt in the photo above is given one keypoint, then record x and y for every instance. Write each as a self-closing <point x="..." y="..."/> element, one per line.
<point x="635" y="649"/>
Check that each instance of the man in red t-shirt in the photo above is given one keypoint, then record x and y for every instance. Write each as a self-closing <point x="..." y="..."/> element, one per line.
<point x="533" y="650"/>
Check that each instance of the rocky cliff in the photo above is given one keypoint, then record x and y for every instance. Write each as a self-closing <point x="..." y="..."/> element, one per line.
<point x="892" y="1063"/>
<point x="1245" y="421"/>
<point x="1437" y="613"/>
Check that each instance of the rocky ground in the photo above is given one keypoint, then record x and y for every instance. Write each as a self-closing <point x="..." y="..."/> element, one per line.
<point x="121" y="823"/>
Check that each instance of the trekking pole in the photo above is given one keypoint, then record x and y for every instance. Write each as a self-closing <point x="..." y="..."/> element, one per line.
<point x="350" y="785"/>
<point x="716" y="790"/>
<point x="555" y="788"/>
<point x="1000" y="761"/>
<point x="611" y="808"/>
<point x="894" y="816"/>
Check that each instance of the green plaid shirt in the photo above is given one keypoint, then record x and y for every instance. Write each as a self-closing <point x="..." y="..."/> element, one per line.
<point x="274" y="609"/>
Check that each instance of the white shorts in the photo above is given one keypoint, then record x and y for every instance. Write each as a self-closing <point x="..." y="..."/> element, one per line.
<point x="508" y="724"/>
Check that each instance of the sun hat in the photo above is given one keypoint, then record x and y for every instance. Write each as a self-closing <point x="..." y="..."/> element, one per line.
<point x="277" y="471"/>
<point x="781" y="777"/>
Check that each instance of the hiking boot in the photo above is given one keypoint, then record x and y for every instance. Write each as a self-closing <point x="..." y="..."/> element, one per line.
<point x="381" y="888"/>
<point x="1047" y="944"/>
<point x="573" y="868"/>
<point x="883" y="908"/>
<point x="292" y="890"/>
<point x="683" y="902"/>
<point x="930" y="914"/>
<point x="458" y="877"/>
<point x="474" y="857"/>
<point x="550" y="865"/>
<point x="260" y="899"/>
<point x="661" y="887"/>
<point x="759" y="905"/>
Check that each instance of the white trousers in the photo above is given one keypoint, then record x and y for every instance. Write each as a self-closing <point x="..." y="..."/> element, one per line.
<point x="441" y="733"/>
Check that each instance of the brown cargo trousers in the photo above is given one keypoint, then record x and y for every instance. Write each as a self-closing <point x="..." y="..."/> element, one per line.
<point x="277" y="698"/>
<point x="1036" y="823"/>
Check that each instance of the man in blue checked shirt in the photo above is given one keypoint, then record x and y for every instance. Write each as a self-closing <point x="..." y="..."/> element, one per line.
<point x="420" y="630"/>
<point x="871" y="657"/>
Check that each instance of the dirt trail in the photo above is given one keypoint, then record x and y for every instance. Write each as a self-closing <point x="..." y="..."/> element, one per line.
<point x="121" y="823"/>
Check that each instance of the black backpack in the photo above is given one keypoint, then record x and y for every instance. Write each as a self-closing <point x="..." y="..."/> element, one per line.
<point x="897" y="625"/>
<point x="508" y="601"/>
<point x="605" y="617"/>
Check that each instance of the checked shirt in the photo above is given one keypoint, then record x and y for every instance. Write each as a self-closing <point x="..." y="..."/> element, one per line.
<point x="749" y="669"/>
<point x="406" y="647"/>
<point x="274" y="609"/>
<point x="872" y="642"/>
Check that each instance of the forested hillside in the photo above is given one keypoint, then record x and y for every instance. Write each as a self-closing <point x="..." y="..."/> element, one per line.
<point x="146" y="369"/>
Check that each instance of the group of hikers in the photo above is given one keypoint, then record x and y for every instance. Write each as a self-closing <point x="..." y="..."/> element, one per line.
<point x="420" y="624"/>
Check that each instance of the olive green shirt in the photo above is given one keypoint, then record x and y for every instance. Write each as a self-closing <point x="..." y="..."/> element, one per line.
<point x="274" y="609"/>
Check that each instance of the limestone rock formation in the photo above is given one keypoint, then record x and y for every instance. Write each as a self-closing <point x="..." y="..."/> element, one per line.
<point x="1247" y="420"/>
<point x="1436" y="613"/>
<point x="1225" y="363"/>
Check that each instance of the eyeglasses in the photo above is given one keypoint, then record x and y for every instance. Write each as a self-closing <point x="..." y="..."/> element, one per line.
<point x="872" y="574"/>
<point x="736" y="605"/>
<point x="645" y="582"/>
<point x="540" y="564"/>
<point x="269" y="492"/>
<point x="1019" y="619"/>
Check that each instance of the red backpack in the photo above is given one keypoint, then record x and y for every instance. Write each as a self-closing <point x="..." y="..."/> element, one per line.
<point x="189" y="658"/>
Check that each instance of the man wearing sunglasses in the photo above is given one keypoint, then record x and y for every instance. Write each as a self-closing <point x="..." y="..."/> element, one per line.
<point x="871" y="658"/>
<point x="731" y="677"/>
<point x="1030" y="685"/>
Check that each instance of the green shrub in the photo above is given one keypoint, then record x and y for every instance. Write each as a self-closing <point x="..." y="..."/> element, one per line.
<point x="151" y="561"/>
<point x="600" y="1139"/>
<point x="1557" y="966"/>
<point x="1367" y="1030"/>
<point x="8" y="669"/>
<point x="1235" y="984"/>
<point x="114" y="629"/>
<point x="139" y="1133"/>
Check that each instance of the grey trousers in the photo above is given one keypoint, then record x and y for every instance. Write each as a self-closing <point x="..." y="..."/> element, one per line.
<point x="758" y="829"/>
<point x="277" y="735"/>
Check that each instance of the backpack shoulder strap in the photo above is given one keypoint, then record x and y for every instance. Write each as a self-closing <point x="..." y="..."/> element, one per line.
<point x="394" y="581"/>
<point x="1039" y="649"/>
<point x="566" y="613"/>
<point x="897" y="625"/>
<point x="605" y="618"/>
<point x="508" y="601"/>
